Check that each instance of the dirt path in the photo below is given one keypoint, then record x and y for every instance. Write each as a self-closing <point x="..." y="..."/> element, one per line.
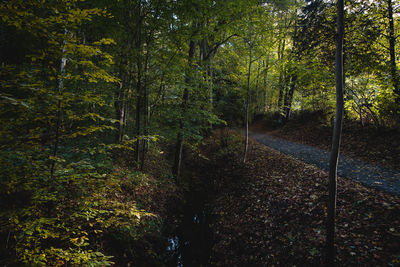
<point x="378" y="177"/>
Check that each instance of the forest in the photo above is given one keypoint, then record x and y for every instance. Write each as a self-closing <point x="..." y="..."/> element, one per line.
<point x="199" y="133"/>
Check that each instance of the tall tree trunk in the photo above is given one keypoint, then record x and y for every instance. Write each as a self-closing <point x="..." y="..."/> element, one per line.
<point x="120" y="107"/>
<point x="138" y="47"/>
<point x="281" y="76"/>
<point x="293" y="77"/>
<point x="246" y="141"/>
<point x="146" y="105"/>
<point x="145" y="126"/>
<point x="59" y="111"/>
<point x="281" y="53"/>
<point x="289" y="96"/>
<point x="119" y="101"/>
<point x="185" y="99"/>
<point x="330" y="232"/>
<point x="392" y="46"/>
<point x="257" y="90"/>
<point x="138" y="110"/>
<point x="122" y="119"/>
<point x="286" y="90"/>
<point x="265" y="70"/>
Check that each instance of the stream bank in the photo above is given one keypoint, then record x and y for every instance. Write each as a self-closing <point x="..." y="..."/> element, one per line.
<point x="188" y="229"/>
<point x="190" y="239"/>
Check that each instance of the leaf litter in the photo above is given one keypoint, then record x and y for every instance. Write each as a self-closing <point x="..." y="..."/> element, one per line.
<point x="272" y="212"/>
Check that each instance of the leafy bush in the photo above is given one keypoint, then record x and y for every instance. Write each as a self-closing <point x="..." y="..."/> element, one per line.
<point x="229" y="144"/>
<point x="64" y="220"/>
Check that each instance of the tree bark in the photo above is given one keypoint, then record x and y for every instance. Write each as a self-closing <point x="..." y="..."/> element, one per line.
<point x="289" y="96"/>
<point x="330" y="232"/>
<point x="293" y="78"/>
<point x="265" y="70"/>
<point x="146" y="121"/>
<point x="246" y="141"/>
<point x="281" y="75"/>
<point x="59" y="111"/>
<point x="258" y="108"/>
<point x="138" y="110"/>
<point x="185" y="99"/>
<point x="281" y="53"/>
<point x="138" y="47"/>
<point x="120" y="106"/>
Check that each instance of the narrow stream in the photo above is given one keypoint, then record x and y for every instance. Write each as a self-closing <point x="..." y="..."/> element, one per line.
<point x="191" y="241"/>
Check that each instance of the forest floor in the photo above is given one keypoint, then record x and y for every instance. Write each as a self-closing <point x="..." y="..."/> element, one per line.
<point x="272" y="213"/>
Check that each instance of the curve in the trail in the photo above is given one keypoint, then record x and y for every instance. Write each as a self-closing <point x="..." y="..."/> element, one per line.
<point x="370" y="175"/>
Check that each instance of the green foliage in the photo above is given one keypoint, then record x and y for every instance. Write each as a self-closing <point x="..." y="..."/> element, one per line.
<point x="64" y="219"/>
<point x="74" y="75"/>
<point x="368" y="79"/>
<point x="61" y="197"/>
<point x="230" y="145"/>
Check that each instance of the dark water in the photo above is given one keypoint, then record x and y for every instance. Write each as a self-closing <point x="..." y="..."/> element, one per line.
<point x="190" y="242"/>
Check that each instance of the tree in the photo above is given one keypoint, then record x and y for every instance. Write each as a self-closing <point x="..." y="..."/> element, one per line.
<point x="333" y="162"/>
<point x="392" y="46"/>
<point x="208" y="25"/>
<point x="246" y="140"/>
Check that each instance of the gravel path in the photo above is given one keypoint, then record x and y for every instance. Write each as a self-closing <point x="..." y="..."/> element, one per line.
<point x="378" y="177"/>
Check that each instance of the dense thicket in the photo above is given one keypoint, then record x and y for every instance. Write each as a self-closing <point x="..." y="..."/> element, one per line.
<point x="89" y="87"/>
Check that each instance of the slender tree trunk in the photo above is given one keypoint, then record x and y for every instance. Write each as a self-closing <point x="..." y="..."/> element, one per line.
<point x="138" y="110"/>
<point x="281" y="77"/>
<point x="257" y="90"/>
<point x="120" y="107"/>
<point x="122" y="120"/>
<point x="281" y="53"/>
<point x="264" y="97"/>
<point x="265" y="70"/>
<point x="185" y="99"/>
<point x="57" y="138"/>
<point x="180" y="137"/>
<point x="145" y="126"/>
<point x="120" y="97"/>
<point x="289" y="96"/>
<point x="293" y="77"/>
<point x="138" y="47"/>
<point x="246" y="141"/>
<point x="286" y="93"/>
<point x="392" y="47"/>
<point x="330" y="232"/>
<point x="146" y="107"/>
<point x="59" y="111"/>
